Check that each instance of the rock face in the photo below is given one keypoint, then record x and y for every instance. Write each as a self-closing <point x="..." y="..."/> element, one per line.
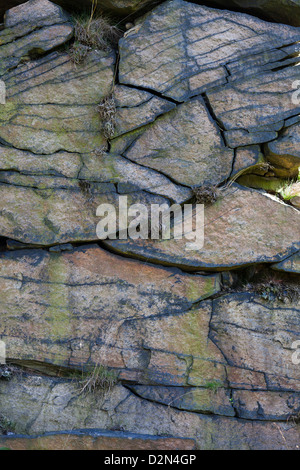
<point x="235" y="235"/>
<point x="116" y="7"/>
<point x="135" y="343"/>
<point x="282" y="11"/>
<point x="96" y="440"/>
<point x="74" y="287"/>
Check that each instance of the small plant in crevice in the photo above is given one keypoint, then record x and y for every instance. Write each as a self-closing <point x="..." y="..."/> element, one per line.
<point x="290" y="190"/>
<point x="206" y="194"/>
<point x="294" y="418"/>
<point x="277" y="290"/>
<point x="93" y="33"/>
<point x="213" y="386"/>
<point x="78" y="52"/>
<point x="260" y="280"/>
<point x="99" y="379"/>
<point x="85" y="187"/>
<point x="6" y="425"/>
<point x="6" y="372"/>
<point x="107" y="112"/>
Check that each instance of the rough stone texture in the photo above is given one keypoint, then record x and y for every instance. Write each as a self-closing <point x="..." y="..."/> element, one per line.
<point x="247" y="157"/>
<point x="283" y="11"/>
<point x="269" y="93"/>
<point x="186" y="145"/>
<point x="96" y="440"/>
<point x="284" y="152"/>
<point x="137" y="108"/>
<point x="51" y="105"/>
<point x="198" y="48"/>
<point x="41" y="403"/>
<point x="197" y="359"/>
<point x="119" y="7"/>
<point x="255" y="335"/>
<point x="290" y="265"/>
<point x="64" y="294"/>
<point x="235" y="235"/>
<point x="21" y="38"/>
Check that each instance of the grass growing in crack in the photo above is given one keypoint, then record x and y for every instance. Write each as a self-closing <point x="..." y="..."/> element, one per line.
<point x="290" y="190"/>
<point x="99" y="379"/>
<point x="107" y="113"/>
<point x="78" y="52"/>
<point x="85" y="187"/>
<point x="277" y="290"/>
<point x="209" y="194"/>
<point x="294" y="418"/>
<point x="6" y="425"/>
<point x="213" y="386"/>
<point x="270" y="285"/>
<point x="92" y="34"/>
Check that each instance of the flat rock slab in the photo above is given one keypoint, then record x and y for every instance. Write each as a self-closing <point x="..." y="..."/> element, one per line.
<point x="203" y="400"/>
<point x="48" y="199"/>
<point x="90" y="305"/>
<point x="45" y="211"/>
<point x="258" y="105"/>
<point x="181" y="49"/>
<point x="51" y="105"/>
<point x="235" y="234"/>
<point x="186" y="145"/>
<point x="259" y="335"/>
<point x="95" y="440"/>
<point x="21" y="37"/>
<point x="39" y="404"/>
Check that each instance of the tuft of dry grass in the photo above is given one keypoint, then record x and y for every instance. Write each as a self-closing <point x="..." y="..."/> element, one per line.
<point x="107" y="113"/>
<point x="92" y="34"/>
<point x="99" y="379"/>
<point x="78" y="52"/>
<point x="206" y="194"/>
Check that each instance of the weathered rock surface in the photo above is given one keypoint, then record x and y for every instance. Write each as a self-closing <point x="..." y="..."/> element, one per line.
<point x="207" y="360"/>
<point x="53" y="164"/>
<point x="197" y="48"/>
<point x="284" y="152"/>
<point x="137" y="108"/>
<point x="21" y="39"/>
<point x="118" y="7"/>
<point x="51" y="405"/>
<point x="271" y="93"/>
<point x="290" y="265"/>
<point x="283" y="11"/>
<point x="186" y="145"/>
<point x="51" y="105"/>
<point x="96" y="440"/>
<point x="235" y="235"/>
<point x="65" y="294"/>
